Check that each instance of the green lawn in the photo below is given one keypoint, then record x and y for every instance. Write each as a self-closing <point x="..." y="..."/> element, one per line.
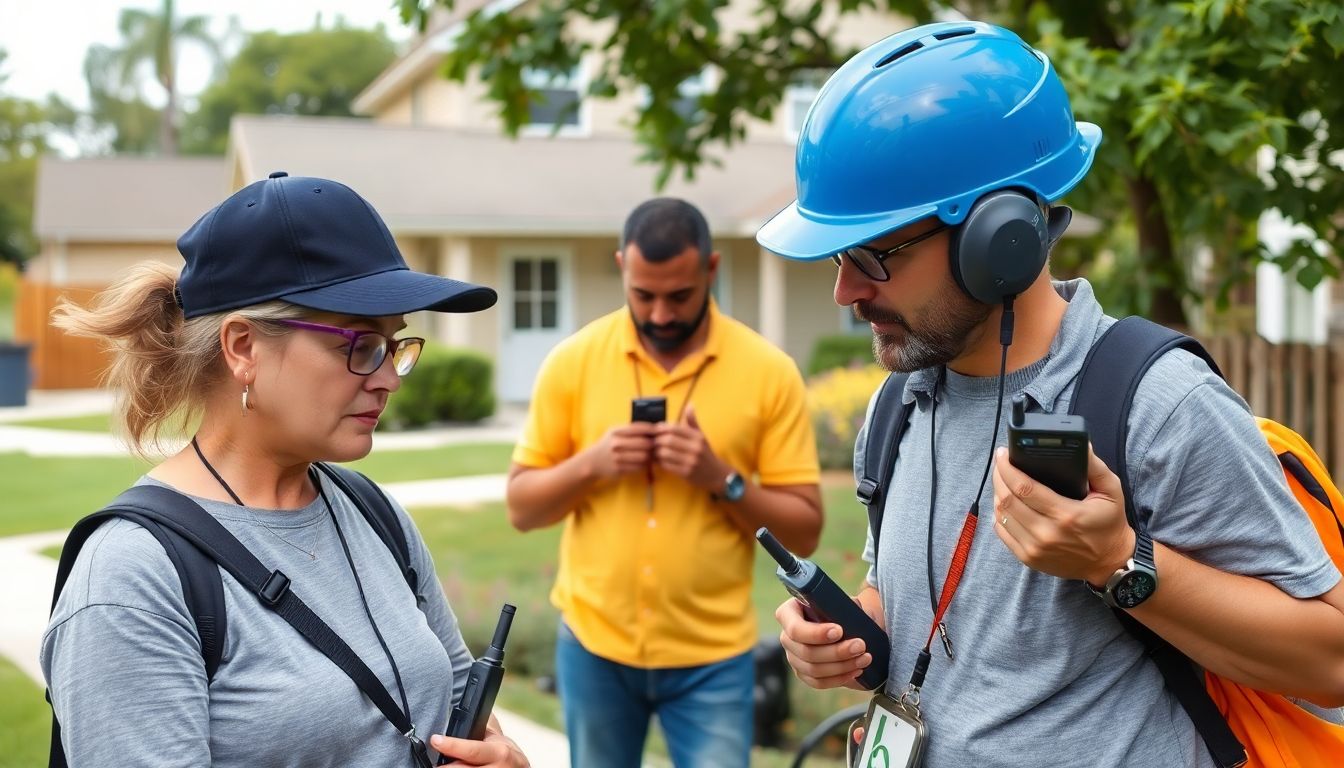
<point x="44" y="493"/>
<point x="25" y="720"/>
<point x="94" y="422"/>
<point x="481" y="560"/>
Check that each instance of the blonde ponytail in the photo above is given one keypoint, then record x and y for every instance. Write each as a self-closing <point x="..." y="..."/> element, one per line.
<point x="163" y="365"/>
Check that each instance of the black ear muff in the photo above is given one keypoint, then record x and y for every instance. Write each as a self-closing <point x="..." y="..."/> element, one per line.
<point x="1001" y="247"/>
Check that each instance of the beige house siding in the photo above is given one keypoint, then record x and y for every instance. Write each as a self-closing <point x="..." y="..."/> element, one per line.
<point x="94" y="263"/>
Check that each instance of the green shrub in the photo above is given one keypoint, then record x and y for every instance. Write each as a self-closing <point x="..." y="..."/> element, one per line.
<point x="841" y="351"/>
<point x="446" y="385"/>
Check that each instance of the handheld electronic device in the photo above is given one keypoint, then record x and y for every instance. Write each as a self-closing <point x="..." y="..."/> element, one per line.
<point x="1050" y="448"/>
<point x="650" y="409"/>
<point x="824" y="601"/>
<point x="472" y="712"/>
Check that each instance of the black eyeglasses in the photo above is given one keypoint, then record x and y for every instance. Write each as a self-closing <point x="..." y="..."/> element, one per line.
<point x="872" y="262"/>
<point x="368" y="349"/>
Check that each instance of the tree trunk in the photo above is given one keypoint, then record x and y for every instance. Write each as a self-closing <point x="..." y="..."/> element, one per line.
<point x="1157" y="256"/>
<point x="168" y="120"/>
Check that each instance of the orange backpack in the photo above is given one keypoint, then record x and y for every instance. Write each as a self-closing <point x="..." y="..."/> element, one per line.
<point x="1274" y="730"/>
<point x="1240" y="725"/>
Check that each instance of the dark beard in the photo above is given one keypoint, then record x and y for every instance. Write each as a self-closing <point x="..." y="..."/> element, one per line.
<point x="948" y="323"/>
<point x="670" y="336"/>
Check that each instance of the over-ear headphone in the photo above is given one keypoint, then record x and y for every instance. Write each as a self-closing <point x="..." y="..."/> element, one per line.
<point x="1001" y="247"/>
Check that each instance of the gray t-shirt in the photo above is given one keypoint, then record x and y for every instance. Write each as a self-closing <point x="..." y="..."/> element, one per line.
<point x="1044" y="675"/>
<point x="123" y="659"/>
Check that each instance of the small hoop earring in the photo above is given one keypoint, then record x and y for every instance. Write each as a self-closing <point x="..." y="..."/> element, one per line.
<point x="246" y="405"/>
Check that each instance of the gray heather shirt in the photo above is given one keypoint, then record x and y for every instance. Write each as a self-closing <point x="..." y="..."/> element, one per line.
<point x="123" y="659"/>
<point x="1044" y="675"/>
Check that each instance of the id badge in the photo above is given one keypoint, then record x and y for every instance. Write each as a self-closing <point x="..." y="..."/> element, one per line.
<point x="894" y="736"/>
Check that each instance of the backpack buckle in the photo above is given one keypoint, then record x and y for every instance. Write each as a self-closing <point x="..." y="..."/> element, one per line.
<point x="866" y="491"/>
<point x="275" y="587"/>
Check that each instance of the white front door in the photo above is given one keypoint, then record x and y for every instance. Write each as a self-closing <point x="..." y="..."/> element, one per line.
<point x="538" y="313"/>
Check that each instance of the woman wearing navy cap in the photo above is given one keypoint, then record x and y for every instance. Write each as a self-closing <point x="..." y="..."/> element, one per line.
<point x="280" y="335"/>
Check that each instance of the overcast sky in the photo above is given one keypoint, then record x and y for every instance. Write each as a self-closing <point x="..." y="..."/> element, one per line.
<point x="46" y="39"/>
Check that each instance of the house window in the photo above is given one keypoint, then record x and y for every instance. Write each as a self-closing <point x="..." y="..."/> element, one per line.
<point x="689" y="91"/>
<point x="798" y="98"/>
<point x="536" y="294"/>
<point x="558" y="101"/>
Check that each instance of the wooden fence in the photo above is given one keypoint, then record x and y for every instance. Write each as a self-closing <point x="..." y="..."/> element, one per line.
<point x="1299" y="385"/>
<point x="58" y="361"/>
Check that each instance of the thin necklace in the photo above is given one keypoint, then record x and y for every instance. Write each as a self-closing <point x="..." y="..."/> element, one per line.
<point x="239" y="502"/>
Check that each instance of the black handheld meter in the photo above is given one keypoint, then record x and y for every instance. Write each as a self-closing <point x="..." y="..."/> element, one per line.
<point x="650" y="409"/>
<point x="824" y="601"/>
<point x="472" y="712"/>
<point x="1050" y="448"/>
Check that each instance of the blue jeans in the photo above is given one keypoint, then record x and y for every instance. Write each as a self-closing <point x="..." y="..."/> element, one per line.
<point x="705" y="712"/>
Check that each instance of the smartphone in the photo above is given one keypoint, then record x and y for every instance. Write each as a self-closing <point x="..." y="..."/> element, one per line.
<point x="1050" y="448"/>
<point x="650" y="409"/>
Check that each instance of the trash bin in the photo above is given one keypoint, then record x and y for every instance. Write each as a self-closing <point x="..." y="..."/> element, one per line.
<point x="14" y="374"/>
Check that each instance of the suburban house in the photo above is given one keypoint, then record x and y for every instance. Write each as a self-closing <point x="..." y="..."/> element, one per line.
<point x="537" y="217"/>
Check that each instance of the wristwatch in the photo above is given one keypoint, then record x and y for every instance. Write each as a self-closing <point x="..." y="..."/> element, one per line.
<point x="1136" y="581"/>
<point x="734" y="487"/>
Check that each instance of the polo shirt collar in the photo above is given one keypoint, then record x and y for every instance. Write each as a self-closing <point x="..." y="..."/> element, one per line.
<point x="714" y="342"/>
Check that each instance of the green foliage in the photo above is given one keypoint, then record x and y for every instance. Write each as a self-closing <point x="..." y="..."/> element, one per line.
<point x="25" y="127"/>
<point x="318" y="72"/>
<point x="840" y="351"/>
<point x="446" y="385"/>
<point x="26" y="734"/>
<point x="1186" y="92"/>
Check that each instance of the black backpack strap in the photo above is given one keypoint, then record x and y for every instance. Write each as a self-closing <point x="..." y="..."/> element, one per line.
<point x="1104" y="395"/>
<point x="202" y="587"/>
<point x="378" y="511"/>
<point x="147" y="504"/>
<point x="886" y="426"/>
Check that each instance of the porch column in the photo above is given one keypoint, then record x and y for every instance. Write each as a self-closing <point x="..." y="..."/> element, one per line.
<point x="455" y="262"/>
<point x="773" y="291"/>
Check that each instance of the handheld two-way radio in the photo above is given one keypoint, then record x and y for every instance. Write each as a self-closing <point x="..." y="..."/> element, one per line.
<point x="824" y="601"/>
<point x="472" y="712"/>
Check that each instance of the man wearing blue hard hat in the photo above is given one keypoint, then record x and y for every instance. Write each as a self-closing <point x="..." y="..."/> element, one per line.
<point x="929" y="170"/>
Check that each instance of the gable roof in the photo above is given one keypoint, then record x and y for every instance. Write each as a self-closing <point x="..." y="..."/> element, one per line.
<point x="125" y="199"/>
<point x="437" y="180"/>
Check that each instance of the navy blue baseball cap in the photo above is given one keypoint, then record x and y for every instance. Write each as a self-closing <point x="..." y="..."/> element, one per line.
<point x="311" y="242"/>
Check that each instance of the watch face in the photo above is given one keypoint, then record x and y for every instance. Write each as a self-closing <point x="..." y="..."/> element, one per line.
<point x="1134" y="588"/>
<point x="737" y="487"/>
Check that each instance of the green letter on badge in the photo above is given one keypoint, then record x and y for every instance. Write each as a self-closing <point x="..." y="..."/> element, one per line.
<point x="879" y="749"/>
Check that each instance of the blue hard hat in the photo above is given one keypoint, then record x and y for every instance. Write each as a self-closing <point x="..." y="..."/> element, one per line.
<point x="923" y="124"/>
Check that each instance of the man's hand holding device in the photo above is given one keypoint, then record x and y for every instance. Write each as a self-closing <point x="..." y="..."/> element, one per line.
<point x="1057" y="506"/>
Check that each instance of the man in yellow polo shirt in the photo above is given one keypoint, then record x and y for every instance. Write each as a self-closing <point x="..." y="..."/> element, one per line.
<point x="654" y="585"/>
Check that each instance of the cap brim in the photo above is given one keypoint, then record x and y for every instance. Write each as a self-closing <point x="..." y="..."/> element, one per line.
<point x="796" y="235"/>
<point x="396" y="292"/>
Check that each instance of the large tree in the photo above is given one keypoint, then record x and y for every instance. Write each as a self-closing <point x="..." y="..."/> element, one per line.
<point x="151" y="39"/>
<point x="1187" y="93"/>
<point x="318" y="72"/>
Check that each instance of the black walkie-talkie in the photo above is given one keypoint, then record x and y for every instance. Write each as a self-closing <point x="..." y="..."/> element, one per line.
<point x="472" y="712"/>
<point x="824" y="601"/>
<point x="1050" y="448"/>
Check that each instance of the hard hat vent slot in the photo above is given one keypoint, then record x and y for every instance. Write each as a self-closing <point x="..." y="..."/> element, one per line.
<point x="903" y="50"/>
<point x="954" y="33"/>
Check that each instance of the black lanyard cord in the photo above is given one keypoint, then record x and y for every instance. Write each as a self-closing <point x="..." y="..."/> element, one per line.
<point x="962" y="553"/>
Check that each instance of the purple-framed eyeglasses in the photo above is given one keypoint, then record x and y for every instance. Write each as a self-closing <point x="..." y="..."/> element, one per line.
<point x="368" y="349"/>
<point x="872" y="262"/>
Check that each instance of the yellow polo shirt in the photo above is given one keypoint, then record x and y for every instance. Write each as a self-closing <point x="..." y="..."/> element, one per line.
<point x="668" y="586"/>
